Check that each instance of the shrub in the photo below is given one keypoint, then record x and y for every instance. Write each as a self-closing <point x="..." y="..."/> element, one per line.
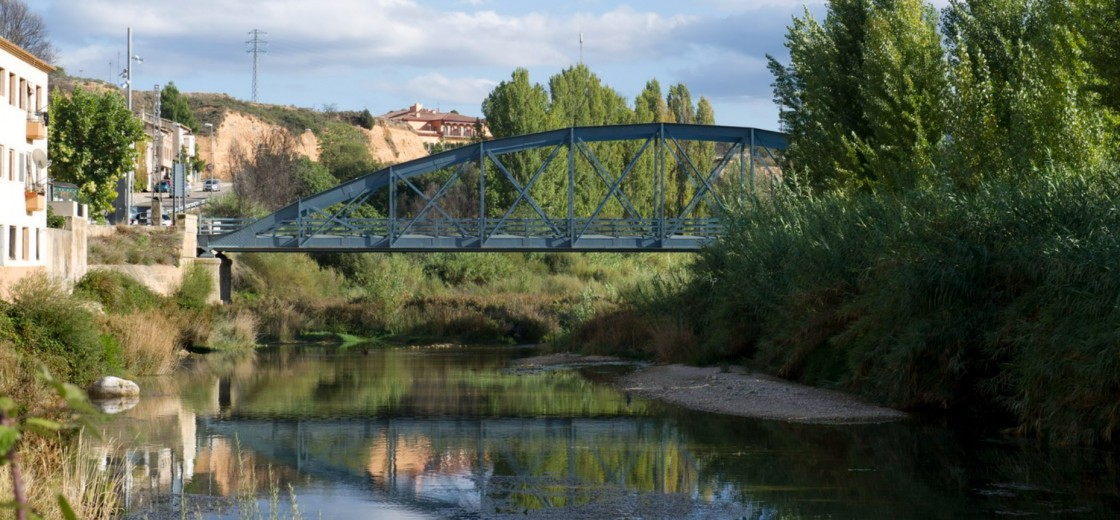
<point x="116" y="292"/>
<point x="50" y="325"/>
<point x="149" y="341"/>
<point x="195" y="289"/>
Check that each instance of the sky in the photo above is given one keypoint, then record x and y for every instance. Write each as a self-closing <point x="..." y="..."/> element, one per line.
<point x="384" y="55"/>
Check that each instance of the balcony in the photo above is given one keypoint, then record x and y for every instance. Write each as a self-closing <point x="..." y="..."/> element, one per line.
<point x="36" y="129"/>
<point x="35" y="201"/>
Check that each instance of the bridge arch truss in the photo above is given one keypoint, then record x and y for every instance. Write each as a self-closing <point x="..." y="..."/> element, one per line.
<point x="644" y="187"/>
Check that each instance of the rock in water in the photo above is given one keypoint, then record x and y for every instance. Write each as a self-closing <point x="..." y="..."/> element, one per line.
<point x="109" y="386"/>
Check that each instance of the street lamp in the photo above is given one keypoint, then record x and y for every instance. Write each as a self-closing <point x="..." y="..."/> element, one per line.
<point x="213" y="153"/>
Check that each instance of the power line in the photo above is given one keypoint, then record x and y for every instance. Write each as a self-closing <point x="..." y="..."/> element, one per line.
<point x="257" y="48"/>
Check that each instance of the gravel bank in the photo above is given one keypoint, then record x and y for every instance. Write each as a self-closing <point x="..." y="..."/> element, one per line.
<point x="734" y="392"/>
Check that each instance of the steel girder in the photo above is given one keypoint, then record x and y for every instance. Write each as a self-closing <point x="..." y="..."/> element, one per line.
<point x="326" y="221"/>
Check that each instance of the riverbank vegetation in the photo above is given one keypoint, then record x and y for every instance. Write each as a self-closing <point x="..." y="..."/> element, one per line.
<point x="477" y="297"/>
<point x="109" y="324"/>
<point x="944" y="238"/>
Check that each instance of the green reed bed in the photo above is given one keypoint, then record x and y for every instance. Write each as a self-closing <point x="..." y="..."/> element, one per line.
<point x="1002" y="301"/>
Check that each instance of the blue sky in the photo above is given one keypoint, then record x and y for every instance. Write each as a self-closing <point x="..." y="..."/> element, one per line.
<point x="387" y="54"/>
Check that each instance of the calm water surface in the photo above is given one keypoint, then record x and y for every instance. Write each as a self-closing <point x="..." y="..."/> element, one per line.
<point x="450" y="433"/>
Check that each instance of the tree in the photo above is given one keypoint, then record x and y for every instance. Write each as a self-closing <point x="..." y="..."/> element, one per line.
<point x="1102" y="17"/>
<point x="518" y="107"/>
<point x="1031" y="62"/>
<point x="174" y="106"/>
<point x="92" y="137"/>
<point x="650" y="107"/>
<point x="266" y="172"/>
<point x="902" y="90"/>
<point x="862" y="96"/>
<point x="366" y="119"/>
<point x="344" y="151"/>
<point x="26" y="29"/>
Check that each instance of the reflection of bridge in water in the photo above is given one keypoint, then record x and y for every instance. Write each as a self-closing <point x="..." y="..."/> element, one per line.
<point x="479" y="464"/>
<point x="645" y="187"/>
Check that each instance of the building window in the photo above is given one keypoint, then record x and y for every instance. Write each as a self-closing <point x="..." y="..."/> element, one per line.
<point x="23" y="93"/>
<point x="26" y="244"/>
<point x="38" y="244"/>
<point x="12" y="242"/>
<point x="12" y="84"/>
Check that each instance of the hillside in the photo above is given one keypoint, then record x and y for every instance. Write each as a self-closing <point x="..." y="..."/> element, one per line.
<point x="237" y="121"/>
<point x="241" y="122"/>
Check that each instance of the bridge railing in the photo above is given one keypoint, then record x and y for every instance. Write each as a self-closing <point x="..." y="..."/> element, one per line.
<point x="218" y="226"/>
<point x="469" y="227"/>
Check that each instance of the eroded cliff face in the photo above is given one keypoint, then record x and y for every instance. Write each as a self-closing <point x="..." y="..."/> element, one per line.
<point x="388" y="143"/>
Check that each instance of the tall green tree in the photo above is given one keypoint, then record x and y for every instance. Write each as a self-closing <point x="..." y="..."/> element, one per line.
<point x="517" y="107"/>
<point x="174" y="106"/>
<point x="579" y="98"/>
<point x="679" y="186"/>
<point x="1031" y="59"/>
<point x="862" y="97"/>
<point x="650" y="107"/>
<point x="1102" y="20"/>
<point x="92" y="137"/>
<point x="903" y="92"/>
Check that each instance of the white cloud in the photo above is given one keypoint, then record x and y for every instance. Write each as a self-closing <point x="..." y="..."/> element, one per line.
<point x="434" y="87"/>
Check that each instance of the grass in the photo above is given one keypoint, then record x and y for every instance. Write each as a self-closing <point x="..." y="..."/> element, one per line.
<point x="53" y="466"/>
<point x="136" y="245"/>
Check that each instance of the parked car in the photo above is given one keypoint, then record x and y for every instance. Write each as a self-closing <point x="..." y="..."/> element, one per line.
<point x="211" y="185"/>
<point x="165" y="220"/>
<point x="164" y="186"/>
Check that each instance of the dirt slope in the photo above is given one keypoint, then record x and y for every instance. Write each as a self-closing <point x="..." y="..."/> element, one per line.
<point x="388" y="144"/>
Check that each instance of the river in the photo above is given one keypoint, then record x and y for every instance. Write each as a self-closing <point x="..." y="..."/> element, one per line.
<point x="450" y="432"/>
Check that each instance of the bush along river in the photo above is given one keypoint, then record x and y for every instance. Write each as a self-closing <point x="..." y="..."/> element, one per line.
<point x="452" y="432"/>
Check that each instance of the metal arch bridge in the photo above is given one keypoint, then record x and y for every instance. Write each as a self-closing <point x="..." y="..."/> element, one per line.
<point x="420" y="220"/>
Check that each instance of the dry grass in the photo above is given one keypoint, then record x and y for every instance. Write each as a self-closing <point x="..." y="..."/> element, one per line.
<point x="148" y="339"/>
<point x="51" y="466"/>
<point x="138" y="245"/>
<point x="237" y="331"/>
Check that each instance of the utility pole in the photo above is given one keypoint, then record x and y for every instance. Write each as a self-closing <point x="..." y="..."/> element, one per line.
<point x="123" y="210"/>
<point x="155" y="214"/>
<point x="257" y="48"/>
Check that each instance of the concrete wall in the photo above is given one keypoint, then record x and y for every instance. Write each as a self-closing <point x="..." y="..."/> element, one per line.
<point x="63" y="253"/>
<point x="166" y="279"/>
<point x="67" y="250"/>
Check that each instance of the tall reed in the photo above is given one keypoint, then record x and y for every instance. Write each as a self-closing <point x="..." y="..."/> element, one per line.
<point x="1001" y="300"/>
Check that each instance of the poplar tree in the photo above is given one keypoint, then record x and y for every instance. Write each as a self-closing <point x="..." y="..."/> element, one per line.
<point x="518" y="107"/>
<point x="1029" y="60"/>
<point x="862" y="97"/>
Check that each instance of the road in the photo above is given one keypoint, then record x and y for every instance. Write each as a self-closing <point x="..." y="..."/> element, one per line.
<point x="143" y="200"/>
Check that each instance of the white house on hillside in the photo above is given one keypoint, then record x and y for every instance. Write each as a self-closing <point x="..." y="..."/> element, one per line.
<point x="23" y="162"/>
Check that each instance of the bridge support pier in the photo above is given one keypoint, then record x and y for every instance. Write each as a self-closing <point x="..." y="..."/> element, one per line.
<point x="225" y="279"/>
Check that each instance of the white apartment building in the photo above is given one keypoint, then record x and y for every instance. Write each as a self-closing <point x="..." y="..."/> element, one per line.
<point x="23" y="162"/>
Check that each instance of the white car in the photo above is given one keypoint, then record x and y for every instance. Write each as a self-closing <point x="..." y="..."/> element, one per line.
<point x="212" y="185"/>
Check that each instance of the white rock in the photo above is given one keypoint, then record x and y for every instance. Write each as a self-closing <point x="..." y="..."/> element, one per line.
<point x="110" y="386"/>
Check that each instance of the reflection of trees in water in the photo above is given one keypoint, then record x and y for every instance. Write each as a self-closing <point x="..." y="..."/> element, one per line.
<point x="452" y="428"/>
